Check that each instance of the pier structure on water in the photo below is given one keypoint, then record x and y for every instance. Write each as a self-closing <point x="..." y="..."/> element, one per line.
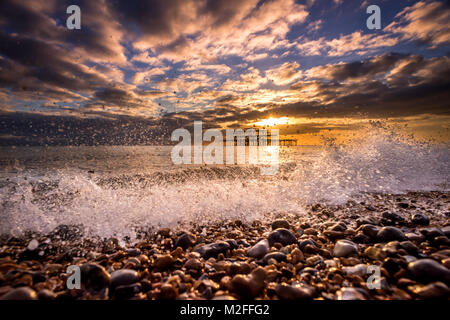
<point x="265" y="135"/>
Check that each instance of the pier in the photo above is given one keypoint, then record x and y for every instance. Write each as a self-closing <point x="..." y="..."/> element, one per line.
<point x="254" y="139"/>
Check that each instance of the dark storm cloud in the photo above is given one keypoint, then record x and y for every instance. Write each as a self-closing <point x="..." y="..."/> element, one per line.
<point x="365" y="68"/>
<point x="152" y="17"/>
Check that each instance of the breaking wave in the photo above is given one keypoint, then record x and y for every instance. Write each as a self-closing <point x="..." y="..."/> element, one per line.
<point x="110" y="202"/>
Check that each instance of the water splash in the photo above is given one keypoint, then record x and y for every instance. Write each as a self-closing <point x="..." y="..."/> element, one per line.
<point x="109" y="203"/>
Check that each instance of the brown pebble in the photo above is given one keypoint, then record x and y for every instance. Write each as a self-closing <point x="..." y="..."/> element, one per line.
<point x="164" y="261"/>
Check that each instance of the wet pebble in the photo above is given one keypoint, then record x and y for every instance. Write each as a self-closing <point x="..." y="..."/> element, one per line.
<point x="278" y="256"/>
<point x="294" y="292"/>
<point x="133" y="252"/>
<point x="343" y="248"/>
<point x="420" y="219"/>
<point x="94" y="276"/>
<point x="428" y="270"/>
<point x="46" y="294"/>
<point x="392" y="217"/>
<point x="22" y="293"/>
<point x="164" y="261"/>
<point x="277" y="224"/>
<point x="167" y="292"/>
<point x="283" y="236"/>
<point x="387" y="234"/>
<point x="259" y="250"/>
<point x="185" y="241"/>
<point x="193" y="263"/>
<point x="431" y="233"/>
<point x="127" y="291"/>
<point x="248" y="286"/>
<point x="358" y="270"/>
<point x="213" y="249"/>
<point x="431" y="291"/>
<point x="446" y="231"/>
<point x="370" y="230"/>
<point x="123" y="277"/>
<point x="351" y="294"/>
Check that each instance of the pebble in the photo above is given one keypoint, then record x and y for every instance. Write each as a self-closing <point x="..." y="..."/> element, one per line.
<point x="349" y="293"/>
<point x="344" y="248"/>
<point x="370" y="230"/>
<point x="185" y="241"/>
<point x="280" y="263"/>
<point x="167" y="292"/>
<point x="375" y="253"/>
<point x="315" y="260"/>
<point x="283" y="236"/>
<point x="94" y="276"/>
<point x="361" y="238"/>
<point x="277" y="224"/>
<point x="213" y="249"/>
<point x="340" y="226"/>
<point x="387" y="234"/>
<point x="223" y="297"/>
<point x="446" y="231"/>
<point x="358" y="270"/>
<point x="278" y="256"/>
<point x="414" y="236"/>
<point x="296" y="255"/>
<point x="409" y="247"/>
<point x="403" y="205"/>
<point x="409" y="258"/>
<point x="259" y="250"/>
<point x="428" y="270"/>
<point x="248" y="286"/>
<point x="193" y="263"/>
<point x="392" y="217"/>
<point x="431" y="291"/>
<point x="123" y="277"/>
<point x="431" y="233"/>
<point x="306" y="242"/>
<point x="294" y="292"/>
<point x="22" y="293"/>
<point x="46" y="294"/>
<point x="127" y="291"/>
<point x="420" y="219"/>
<point x="133" y="252"/>
<point x="333" y="235"/>
<point x="164" y="261"/>
<point x="446" y="263"/>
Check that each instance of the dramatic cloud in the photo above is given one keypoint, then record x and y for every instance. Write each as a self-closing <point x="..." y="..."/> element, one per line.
<point x="356" y="43"/>
<point x="284" y="74"/>
<point x="228" y="62"/>
<point x="427" y="22"/>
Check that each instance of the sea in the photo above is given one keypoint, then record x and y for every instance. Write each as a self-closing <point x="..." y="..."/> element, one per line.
<point x="116" y="190"/>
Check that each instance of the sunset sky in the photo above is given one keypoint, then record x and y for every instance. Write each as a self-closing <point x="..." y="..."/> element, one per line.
<point x="312" y="67"/>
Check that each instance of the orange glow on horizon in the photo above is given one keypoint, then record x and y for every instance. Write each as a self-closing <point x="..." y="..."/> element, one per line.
<point x="272" y="121"/>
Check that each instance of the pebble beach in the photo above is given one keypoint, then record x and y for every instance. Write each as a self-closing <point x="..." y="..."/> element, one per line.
<point x="329" y="253"/>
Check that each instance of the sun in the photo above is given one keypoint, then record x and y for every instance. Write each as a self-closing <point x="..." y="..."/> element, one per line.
<point x="272" y="121"/>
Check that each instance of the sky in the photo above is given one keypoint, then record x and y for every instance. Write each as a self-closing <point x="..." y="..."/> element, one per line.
<point x="138" y="69"/>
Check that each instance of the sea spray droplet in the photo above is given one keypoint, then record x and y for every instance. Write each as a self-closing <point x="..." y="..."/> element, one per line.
<point x="33" y="245"/>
